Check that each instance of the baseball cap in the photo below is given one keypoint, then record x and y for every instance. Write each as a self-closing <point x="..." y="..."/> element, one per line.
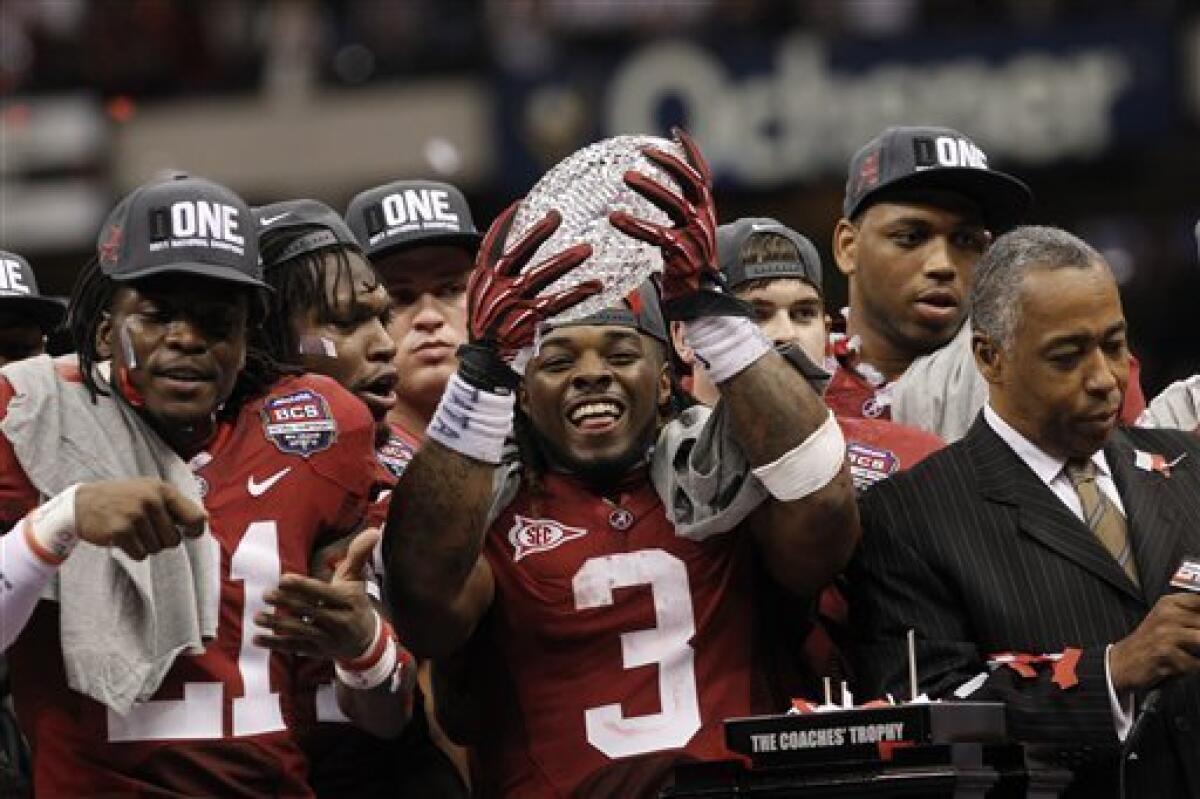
<point x="183" y="224"/>
<point x="639" y="309"/>
<point x="316" y="225"/>
<point x="408" y="213"/>
<point x="941" y="158"/>
<point x="19" y="293"/>
<point x="732" y="238"/>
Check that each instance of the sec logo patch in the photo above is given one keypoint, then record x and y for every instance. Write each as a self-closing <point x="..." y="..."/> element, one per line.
<point x="299" y="423"/>
<point x="530" y="536"/>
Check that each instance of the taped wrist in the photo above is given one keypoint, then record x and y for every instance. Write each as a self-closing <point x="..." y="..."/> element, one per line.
<point x="482" y="367"/>
<point x="50" y="528"/>
<point x="725" y="345"/>
<point x="807" y="468"/>
<point x="471" y="420"/>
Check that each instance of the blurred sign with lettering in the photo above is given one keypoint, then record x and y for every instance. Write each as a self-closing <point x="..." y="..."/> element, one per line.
<point x="770" y="113"/>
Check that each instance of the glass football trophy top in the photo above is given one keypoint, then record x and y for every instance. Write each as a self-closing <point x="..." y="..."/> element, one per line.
<point x="585" y="187"/>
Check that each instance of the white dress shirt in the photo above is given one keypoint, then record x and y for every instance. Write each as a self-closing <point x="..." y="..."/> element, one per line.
<point x="1051" y="470"/>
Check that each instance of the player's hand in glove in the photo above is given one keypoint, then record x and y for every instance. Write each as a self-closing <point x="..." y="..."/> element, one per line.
<point x="503" y="306"/>
<point x="691" y="281"/>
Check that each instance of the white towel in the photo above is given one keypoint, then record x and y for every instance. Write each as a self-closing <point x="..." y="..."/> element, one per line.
<point x="1177" y="407"/>
<point x="942" y="392"/>
<point x="122" y="622"/>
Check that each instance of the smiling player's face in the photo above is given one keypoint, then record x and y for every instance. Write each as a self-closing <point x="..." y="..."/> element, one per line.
<point x="593" y="394"/>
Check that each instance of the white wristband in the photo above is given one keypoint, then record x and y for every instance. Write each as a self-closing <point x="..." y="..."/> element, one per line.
<point x="375" y="665"/>
<point x="374" y="676"/>
<point x="725" y="345"/>
<point x="471" y="421"/>
<point x="51" y="527"/>
<point x="809" y="467"/>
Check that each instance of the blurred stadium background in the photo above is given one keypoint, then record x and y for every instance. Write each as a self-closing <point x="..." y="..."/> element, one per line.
<point x="1096" y="103"/>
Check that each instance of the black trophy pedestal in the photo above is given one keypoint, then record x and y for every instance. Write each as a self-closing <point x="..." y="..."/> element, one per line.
<point x="952" y="750"/>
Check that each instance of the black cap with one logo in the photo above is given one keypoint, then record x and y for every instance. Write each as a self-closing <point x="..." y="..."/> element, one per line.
<point x="934" y="158"/>
<point x="19" y="294"/>
<point x="732" y="238"/>
<point x="183" y="225"/>
<point x="409" y="213"/>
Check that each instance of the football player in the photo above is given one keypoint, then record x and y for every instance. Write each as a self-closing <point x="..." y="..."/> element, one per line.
<point x="607" y="569"/>
<point x="420" y="237"/>
<point x="921" y="206"/>
<point x="142" y="677"/>
<point x="329" y="314"/>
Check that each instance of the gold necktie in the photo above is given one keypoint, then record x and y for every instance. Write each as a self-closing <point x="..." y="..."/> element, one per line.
<point x="1102" y="516"/>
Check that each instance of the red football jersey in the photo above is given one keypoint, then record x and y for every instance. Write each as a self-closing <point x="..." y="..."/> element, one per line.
<point x="877" y="448"/>
<point x="851" y="395"/>
<point x="624" y="645"/>
<point x="344" y="760"/>
<point x="296" y="467"/>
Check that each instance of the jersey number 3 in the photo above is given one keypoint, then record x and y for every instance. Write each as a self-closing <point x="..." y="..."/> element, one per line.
<point x="200" y="714"/>
<point x="666" y="644"/>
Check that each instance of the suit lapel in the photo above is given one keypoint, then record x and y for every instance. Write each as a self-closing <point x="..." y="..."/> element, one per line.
<point x="1150" y="509"/>
<point x="1004" y="478"/>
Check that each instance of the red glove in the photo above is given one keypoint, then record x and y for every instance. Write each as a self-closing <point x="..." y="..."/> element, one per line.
<point x="503" y="306"/>
<point x="689" y="248"/>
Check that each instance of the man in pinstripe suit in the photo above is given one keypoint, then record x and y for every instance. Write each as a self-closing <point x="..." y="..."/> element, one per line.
<point x="1047" y="530"/>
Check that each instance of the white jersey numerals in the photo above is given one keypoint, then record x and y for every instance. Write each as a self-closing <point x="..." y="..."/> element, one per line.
<point x="665" y="644"/>
<point x="200" y="714"/>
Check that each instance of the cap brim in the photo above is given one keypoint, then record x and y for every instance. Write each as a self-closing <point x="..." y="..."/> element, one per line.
<point x="1003" y="199"/>
<point x="47" y="312"/>
<point x="468" y="241"/>
<point x="224" y="274"/>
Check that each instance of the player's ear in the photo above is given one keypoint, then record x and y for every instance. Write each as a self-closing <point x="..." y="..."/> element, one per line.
<point x="104" y="334"/>
<point x="987" y="358"/>
<point x="681" y="348"/>
<point x="845" y="245"/>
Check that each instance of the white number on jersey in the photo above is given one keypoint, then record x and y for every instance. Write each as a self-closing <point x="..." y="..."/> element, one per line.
<point x="199" y="715"/>
<point x="665" y="644"/>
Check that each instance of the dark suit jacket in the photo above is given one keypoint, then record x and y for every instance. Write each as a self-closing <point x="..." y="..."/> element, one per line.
<point x="975" y="553"/>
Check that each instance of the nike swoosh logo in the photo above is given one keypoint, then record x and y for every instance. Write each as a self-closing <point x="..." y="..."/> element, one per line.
<point x="258" y="489"/>
<point x="267" y="221"/>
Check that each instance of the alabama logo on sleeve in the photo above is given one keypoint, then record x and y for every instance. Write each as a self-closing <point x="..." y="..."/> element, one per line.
<point x="299" y="423"/>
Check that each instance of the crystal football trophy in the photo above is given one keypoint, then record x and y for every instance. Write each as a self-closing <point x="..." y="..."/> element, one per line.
<point x="585" y="188"/>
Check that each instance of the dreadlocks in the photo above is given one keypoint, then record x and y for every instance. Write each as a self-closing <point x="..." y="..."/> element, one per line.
<point x="301" y="283"/>
<point x="91" y="300"/>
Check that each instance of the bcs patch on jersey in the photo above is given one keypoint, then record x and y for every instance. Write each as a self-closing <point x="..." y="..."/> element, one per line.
<point x="530" y="536"/>
<point x="869" y="465"/>
<point x="299" y="423"/>
<point x="395" y="455"/>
